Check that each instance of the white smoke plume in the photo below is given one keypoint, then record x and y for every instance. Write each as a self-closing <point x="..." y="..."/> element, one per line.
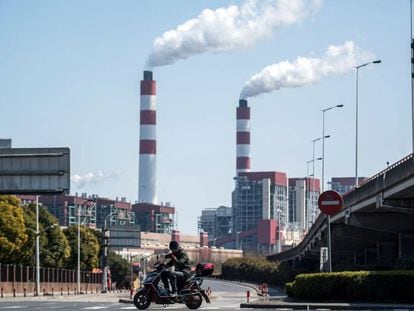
<point x="228" y="28"/>
<point x="93" y="178"/>
<point x="338" y="59"/>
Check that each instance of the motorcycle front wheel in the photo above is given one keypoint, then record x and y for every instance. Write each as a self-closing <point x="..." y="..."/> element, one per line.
<point x="142" y="299"/>
<point x="194" y="301"/>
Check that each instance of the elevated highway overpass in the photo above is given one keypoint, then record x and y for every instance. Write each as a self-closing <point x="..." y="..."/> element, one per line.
<point x="375" y="227"/>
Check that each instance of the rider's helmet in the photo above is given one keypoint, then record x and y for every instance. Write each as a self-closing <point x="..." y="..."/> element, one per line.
<point x="173" y="245"/>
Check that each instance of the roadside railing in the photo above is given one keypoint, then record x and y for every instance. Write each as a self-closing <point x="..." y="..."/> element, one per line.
<point x="19" y="280"/>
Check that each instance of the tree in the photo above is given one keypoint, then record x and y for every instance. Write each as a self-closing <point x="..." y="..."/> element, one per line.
<point x="13" y="236"/>
<point x="120" y="270"/>
<point x="54" y="246"/>
<point x="89" y="248"/>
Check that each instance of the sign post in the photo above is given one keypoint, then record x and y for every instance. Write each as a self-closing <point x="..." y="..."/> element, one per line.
<point x="330" y="202"/>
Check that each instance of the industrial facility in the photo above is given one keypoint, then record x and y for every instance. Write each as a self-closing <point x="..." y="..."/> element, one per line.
<point x="269" y="212"/>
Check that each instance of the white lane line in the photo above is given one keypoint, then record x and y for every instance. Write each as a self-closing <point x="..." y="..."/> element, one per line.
<point x="14" y="307"/>
<point x="95" y="308"/>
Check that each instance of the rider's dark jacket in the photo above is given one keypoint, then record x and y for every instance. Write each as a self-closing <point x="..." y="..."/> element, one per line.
<point x="182" y="263"/>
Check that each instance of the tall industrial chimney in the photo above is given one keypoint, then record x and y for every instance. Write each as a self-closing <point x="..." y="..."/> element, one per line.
<point x="243" y="137"/>
<point x="147" y="143"/>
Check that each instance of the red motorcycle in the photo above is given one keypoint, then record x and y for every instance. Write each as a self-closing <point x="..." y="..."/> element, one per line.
<point x="189" y="292"/>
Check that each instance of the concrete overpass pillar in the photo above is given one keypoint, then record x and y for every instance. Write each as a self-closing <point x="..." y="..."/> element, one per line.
<point x="406" y="243"/>
<point x="399" y="245"/>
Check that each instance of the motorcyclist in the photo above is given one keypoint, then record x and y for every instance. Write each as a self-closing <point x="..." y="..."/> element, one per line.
<point x="180" y="261"/>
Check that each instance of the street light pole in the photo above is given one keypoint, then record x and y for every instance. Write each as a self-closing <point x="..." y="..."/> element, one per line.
<point x="78" y="209"/>
<point x="37" y="248"/>
<point x="313" y="167"/>
<point x="323" y="142"/>
<point x="313" y="156"/>
<point x="307" y="190"/>
<point x="106" y="238"/>
<point x="356" y="116"/>
<point x="412" y="74"/>
<point x="37" y="235"/>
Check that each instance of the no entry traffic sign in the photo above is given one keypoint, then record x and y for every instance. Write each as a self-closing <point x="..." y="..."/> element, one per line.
<point x="330" y="202"/>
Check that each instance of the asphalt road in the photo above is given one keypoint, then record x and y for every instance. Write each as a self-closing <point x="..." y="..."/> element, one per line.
<point x="225" y="296"/>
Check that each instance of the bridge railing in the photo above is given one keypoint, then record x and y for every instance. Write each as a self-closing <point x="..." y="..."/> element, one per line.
<point x="389" y="168"/>
<point x="393" y="174"/>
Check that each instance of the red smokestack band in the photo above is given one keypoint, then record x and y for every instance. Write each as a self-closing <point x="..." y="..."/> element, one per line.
<point x="148" y="117"/>
<point x="243" y="138"/>
<point x="243" y="163"/>
<point x="148" y="87"/>
<point x="147" y="146"/>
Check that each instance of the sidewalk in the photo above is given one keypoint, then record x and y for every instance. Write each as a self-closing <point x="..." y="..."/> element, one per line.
<point x="280" y="304"/>
<point x="278" y="300"/>
<point x="113" y="296"/>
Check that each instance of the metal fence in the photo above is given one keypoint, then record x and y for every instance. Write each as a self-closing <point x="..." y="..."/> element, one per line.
<point x="21" y="280"/>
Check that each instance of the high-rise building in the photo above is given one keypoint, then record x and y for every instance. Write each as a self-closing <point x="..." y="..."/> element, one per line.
<point x="303" y="202"/>
<point x="345" y="184"/>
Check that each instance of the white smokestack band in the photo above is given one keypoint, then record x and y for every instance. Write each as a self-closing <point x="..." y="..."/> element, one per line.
<point x="228" y="28"/>
<point x="148" y="143"/>
<point x="338" y="59"/>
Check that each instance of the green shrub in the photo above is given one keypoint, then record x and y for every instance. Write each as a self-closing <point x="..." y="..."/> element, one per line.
<point x="257" y="270"/>
<point x="373" y="286"/>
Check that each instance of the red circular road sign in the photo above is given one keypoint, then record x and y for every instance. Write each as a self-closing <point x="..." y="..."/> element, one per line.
<point x="330" y="202"/>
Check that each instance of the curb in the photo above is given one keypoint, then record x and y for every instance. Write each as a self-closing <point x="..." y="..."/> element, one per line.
<point x="123" y="300"/>
<point x="332" y="306"/>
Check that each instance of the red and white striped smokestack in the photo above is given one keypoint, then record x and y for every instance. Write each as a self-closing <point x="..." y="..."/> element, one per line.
<point x="243" y="137"/>
<point x="147" y="141"/>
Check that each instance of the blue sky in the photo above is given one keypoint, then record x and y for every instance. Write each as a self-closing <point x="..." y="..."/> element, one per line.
<point x="70" y="72"/>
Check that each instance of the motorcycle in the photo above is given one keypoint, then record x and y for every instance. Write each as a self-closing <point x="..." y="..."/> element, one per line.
<point x="189" y="291"/>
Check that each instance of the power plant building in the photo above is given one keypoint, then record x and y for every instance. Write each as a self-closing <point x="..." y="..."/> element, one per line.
<point x="259" y="197"/>
<point x="217" y="222"/>
<point x="92" y="211"/>
<point x="154" y="218"/>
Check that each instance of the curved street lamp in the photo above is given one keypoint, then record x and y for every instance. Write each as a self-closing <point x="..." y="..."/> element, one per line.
<point x="323" y="142"/>
<point x="356" y="116"/>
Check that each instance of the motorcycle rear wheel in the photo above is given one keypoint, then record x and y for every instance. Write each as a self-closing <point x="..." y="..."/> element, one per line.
<point x="142" y="299"/>
<point x="194" y="301"/>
